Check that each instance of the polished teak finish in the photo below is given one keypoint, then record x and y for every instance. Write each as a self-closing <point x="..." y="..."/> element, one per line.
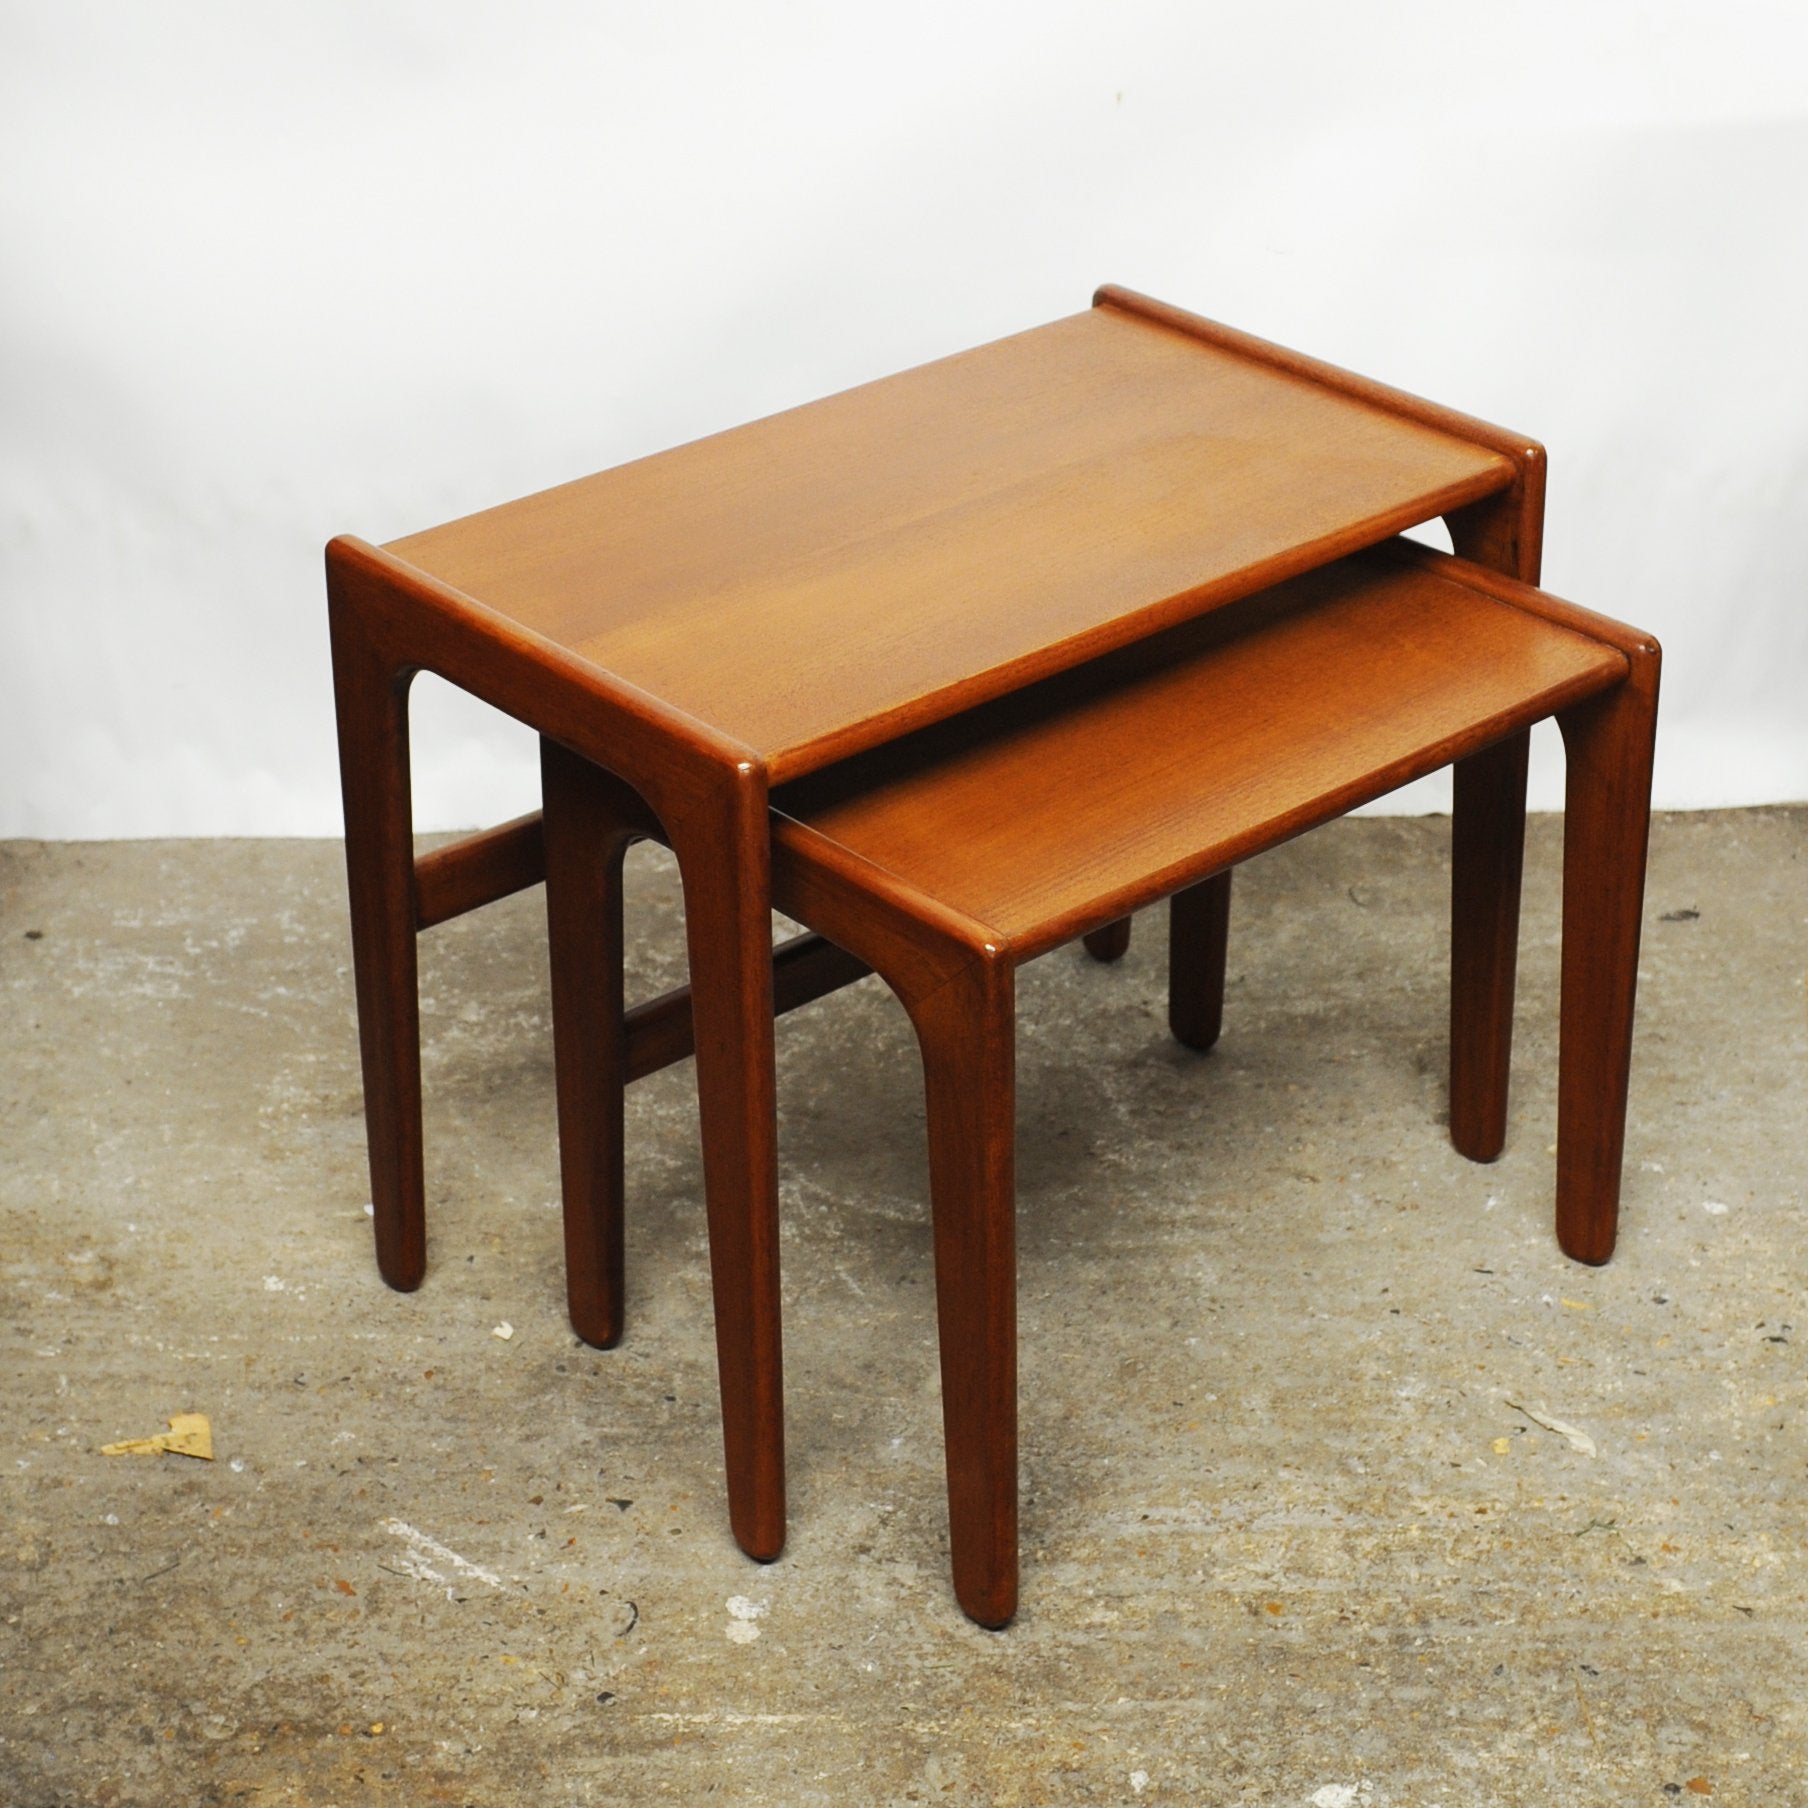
<point x="743" y="611"/>
<point x="919" y="544"/>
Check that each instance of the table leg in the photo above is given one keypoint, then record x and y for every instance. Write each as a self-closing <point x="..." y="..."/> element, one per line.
<point x="1505" y="533"/>
<point x="967" y="1031"/>
<point x="1607" y="818"/>
<point x="585" y="840"/>
<point x="371" y="700"/>
<point x="1198" y="938"/>
<point x="723" y="847"/>
<point x="1487" y="855"/>
<point x="1110" y="943"/>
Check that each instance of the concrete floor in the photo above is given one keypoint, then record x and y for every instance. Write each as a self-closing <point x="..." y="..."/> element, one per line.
<point x="1295" y="1531"/>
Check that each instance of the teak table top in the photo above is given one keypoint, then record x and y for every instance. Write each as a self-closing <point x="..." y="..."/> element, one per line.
<point x="826" y="579"/>
<point x="1063" y="806"/>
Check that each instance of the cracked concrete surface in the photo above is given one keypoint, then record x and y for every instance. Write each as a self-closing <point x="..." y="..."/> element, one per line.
<point x="1303" y="1524"/>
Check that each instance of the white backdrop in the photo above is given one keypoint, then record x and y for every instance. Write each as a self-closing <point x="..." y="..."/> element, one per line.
<point x="271" y="272"/>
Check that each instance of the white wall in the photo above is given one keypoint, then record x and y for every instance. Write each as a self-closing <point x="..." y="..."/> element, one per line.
<point x="271" y="272"/>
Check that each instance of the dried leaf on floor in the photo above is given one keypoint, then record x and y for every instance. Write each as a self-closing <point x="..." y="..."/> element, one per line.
<point x="189" y="1434"/>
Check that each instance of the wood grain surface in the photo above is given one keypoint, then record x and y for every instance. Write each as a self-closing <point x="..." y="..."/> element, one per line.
<point x="1051" y="810"/>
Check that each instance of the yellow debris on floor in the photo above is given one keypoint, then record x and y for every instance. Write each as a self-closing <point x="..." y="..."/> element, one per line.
<point x="189" y="1434"/>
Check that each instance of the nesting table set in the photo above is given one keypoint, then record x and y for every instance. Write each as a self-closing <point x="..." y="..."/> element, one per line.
<point x="953" y="668"/>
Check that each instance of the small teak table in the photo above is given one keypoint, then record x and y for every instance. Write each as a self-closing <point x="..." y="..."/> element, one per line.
<point x="947" y="859"/>
<point x="744" y="611"/>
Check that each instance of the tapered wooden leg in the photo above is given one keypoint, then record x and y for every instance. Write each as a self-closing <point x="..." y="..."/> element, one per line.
<point x="1110" y="943"/>
<point x="1487" y="853"/>
<point x="1198" y="937"/>
<point x="371" y="700"/>
<point x="1606" y="826"/>
<point x="729" y="928"/>
<point x="967" y="1032"/>
<point x="585" y="838"/>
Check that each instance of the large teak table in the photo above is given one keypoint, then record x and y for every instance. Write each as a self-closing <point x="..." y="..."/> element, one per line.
<point x="745" y="610"/>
